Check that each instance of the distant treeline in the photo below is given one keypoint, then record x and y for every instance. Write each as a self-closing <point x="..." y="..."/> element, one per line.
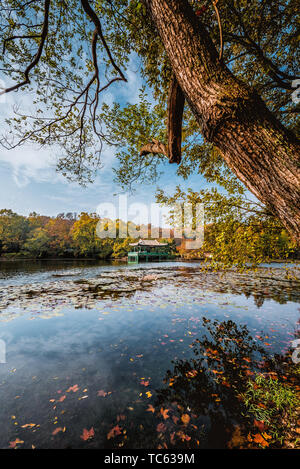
<point x="65" y="235"/>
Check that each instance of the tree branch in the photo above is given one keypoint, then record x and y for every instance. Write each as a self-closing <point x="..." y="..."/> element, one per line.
<point x="37" y="56"/>
<point x="175" y="114"/>
<point x="220" y="28"/>
<point x="94" y="18"/>
<point x="154" y="147"/>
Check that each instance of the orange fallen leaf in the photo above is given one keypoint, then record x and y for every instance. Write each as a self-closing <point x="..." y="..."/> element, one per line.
<point x="73" y="388"/>
<point x="13" y="444"/>
<point x="258" y="438"/>
<point x="161" y="427"/>
<point x="57" y="430"/>
<point x="164" y="413"/>
<point x="185" y="418"/>
<point x="151" y="408"/>
<point x="260" y="424"/>
<point x="261" y="405"/>
<point x="114" y="432"/>
<point x="144" y="383"/>
<point x="87" y="434"/>
<point x="183" y="436"/>
<point x="191" y="374"/>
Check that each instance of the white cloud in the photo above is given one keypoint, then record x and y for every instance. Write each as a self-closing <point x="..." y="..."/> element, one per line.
<point x="28" y="164"/>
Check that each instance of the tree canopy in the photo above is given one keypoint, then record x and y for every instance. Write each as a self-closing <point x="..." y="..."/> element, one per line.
<point x="71" y="52"/>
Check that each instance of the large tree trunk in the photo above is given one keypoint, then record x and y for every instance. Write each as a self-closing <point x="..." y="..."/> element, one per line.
<point x="264" y="155"/>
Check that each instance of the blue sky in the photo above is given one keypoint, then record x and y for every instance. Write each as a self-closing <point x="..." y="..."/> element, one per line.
<point x="29" y="181"/>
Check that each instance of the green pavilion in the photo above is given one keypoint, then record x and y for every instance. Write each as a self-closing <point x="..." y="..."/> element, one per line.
<point x="149" y="250"/>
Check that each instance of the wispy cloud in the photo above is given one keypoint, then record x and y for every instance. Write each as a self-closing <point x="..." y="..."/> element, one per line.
<point x="28" y="163"/>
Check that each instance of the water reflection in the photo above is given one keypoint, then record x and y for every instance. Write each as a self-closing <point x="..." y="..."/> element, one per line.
<point x="109" y="334"/>
<point x="206" y="392"/>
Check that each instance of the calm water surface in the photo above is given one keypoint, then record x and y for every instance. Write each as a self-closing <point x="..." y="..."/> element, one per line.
<point x="115" y="367"/>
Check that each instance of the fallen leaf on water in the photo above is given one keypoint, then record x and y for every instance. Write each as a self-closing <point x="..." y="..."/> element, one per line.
<point x="73" y="388"/>
<point x="216" y="372"/>
<point x="59" y="429"/>
<point x="87" y="434"/>
<point x="62" y="398"/>
<point x="13" y="444"/>
<point x="114" y="432"/>
<point x="183" y="436"/>
<point x="185" y="418"/>
<point x="191" y="374"/>
<point x="161" y="427"/>
<point x="30" y="425"/>
<point x="101" y="393"/>
<point x="164" y="413"/>
<point x="148" y="393"/>
<point x="151" y="408"/>
<point x="144" y="383"/>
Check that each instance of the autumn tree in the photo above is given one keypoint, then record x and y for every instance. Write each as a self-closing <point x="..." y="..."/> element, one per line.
<point x="13" y="231"/>
<point x="238" y="231"/>
<point x="222" y="77"/>
<point x="58" y="231"/>
<point x="37" y="244"/>
<point x="86" y="240"/>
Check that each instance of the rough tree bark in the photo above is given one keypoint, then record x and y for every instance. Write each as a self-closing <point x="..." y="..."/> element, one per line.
<point x="256" y="146"/>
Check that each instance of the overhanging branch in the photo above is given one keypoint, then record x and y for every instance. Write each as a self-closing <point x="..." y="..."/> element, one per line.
<point x="37" y="56"/>
<point x="175" y="114"/>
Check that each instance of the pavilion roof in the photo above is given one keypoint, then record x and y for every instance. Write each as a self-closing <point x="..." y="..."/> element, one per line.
<point x="148" y="242"/>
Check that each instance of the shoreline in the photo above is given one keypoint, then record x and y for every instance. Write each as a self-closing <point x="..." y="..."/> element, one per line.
<point x="124" y="259"/>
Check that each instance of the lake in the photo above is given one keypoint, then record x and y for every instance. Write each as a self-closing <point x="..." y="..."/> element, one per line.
<point x="106" y="355"/>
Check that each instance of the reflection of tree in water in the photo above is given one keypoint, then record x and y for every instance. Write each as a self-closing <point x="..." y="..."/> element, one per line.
<point x="202" y="404"/>
<point x="205" y="392"/>
<point x="259" y="300"/>
<point x="275" y="290"/>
